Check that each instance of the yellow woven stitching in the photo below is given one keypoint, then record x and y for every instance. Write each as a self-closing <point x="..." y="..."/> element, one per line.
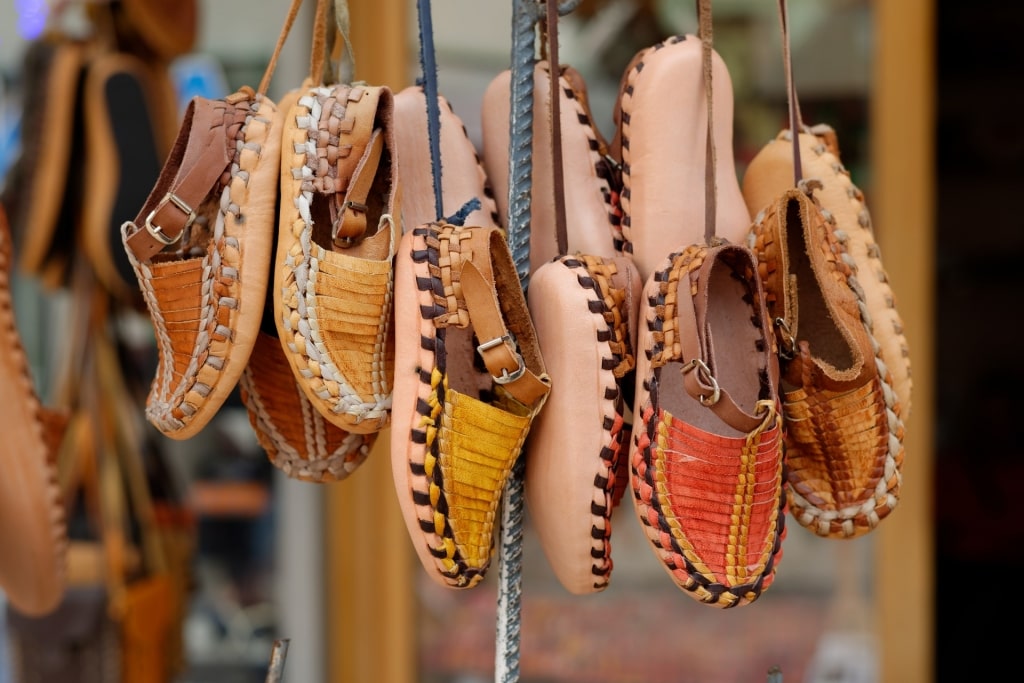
<point x="739" y="530"/>
<point x="674" y="528"/>
<point x="429" y="425"/>
<point x="666" y="341"/>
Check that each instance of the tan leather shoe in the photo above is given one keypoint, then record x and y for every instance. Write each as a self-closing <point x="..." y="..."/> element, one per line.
<point x="844" y="434"/>
<point x="463" y="177"/>
<point x="661" y="138"/>
<point x="32" y="522"/>
<point x="592" y="226"/>
<point x="583" y="297"/>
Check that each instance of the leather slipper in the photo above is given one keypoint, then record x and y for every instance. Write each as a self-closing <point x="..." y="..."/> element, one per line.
<point x="469" y="384"/>
<point x="200" y="248"/>
<point x="661" y="138"/>
<point x="340" y="224"/>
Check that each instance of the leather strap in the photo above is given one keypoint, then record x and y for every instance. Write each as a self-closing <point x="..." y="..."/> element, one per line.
<point x="557" y="167"/>
<point x="698" y="347"/>
<point x="710" y="176"/>
<point x="293" y="11"/>
<point x="201" y="154"/>
<point x="795" y="124"/>
<point x="357" y="170"/>
<point x="337" y="15"/>
<point x="498" y="347"/>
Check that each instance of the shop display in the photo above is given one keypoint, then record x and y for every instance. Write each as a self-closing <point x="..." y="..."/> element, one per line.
<point x="555" y="321"/>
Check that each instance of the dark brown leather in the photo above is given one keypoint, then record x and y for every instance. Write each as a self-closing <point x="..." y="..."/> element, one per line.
<point x="191" y="173"/>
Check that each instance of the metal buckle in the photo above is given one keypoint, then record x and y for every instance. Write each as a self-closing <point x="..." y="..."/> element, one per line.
<point x="157" y="232"/>
<point x="506" y="376"/>
<point x="706" y="377"/>
<point x="787" y="343"/>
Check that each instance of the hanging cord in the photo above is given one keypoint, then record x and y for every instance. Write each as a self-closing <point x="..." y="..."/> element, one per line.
<point x="795" y="124"/>
<point x="337" y="14"/>
<point x="524" y="21"/>
<point x="558" y="172"/>
<point x="525" y="16"/>
<point x="710" y="161"/>
<point x="428" y="64"/>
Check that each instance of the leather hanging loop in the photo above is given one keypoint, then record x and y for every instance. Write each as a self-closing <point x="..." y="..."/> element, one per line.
<point x="710" y="163"/>
<point x="795" y="123"/>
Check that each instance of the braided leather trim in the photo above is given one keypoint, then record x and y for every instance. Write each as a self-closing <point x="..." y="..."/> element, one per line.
<point x="610" y="479"/>
<point x="666" y="346"/>
<point x="441" y="250"/>
<point x="605" y="171"/>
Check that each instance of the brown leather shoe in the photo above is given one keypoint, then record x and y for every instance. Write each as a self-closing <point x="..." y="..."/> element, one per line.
<point x="844" y="434"/>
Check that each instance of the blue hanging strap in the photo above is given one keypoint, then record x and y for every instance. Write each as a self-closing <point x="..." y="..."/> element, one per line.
<point x="428" y="64"/>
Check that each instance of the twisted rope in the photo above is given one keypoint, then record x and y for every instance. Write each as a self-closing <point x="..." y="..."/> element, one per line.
<point x="525" y="15"/>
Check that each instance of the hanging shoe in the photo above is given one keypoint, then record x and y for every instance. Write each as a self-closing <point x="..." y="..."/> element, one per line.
<point x="340" y="224"/>
<point x="844" y="443"/>
<point x="200" y="248"/>
<point x="771" y="172"/>
<point x="707" y="463"/>
<point x="584" y="298"/>
<point x="592" y="172"/>
<point x="297" y="439"/>
<point x="469" y="383"/>
<point x="463" y="176"/>
<point x="843" y="415"/>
